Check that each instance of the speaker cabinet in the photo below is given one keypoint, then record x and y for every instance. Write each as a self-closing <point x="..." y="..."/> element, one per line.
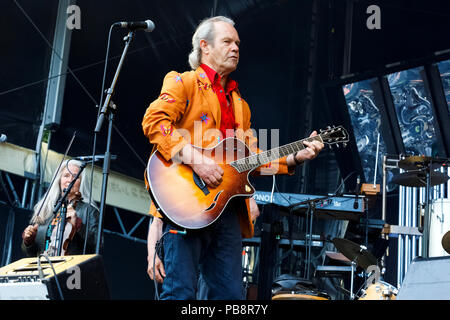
<point x="67" y="277"/>
<point x="427" y="279"/>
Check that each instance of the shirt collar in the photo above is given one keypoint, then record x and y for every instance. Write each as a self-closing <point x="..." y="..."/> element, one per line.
<point x="214" y="78"/>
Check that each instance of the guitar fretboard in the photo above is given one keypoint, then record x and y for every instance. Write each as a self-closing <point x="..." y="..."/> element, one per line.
<point x="259" y="159"/>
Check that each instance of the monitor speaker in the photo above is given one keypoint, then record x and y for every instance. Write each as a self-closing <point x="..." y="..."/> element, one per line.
<point x="426" y="279"/>
<point x="58" y="278"/>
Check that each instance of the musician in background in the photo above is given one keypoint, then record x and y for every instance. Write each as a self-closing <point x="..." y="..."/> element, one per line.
<point x="201" y="107"/>
<point x="39" y="236"/>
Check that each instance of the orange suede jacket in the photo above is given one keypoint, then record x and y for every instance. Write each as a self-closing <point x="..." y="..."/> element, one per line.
<point x="188" y="111"/>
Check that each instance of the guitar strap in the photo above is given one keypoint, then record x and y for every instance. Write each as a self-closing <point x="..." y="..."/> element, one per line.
<point x="238" y="113"/>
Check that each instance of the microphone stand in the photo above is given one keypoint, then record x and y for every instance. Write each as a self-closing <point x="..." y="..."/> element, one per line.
<point x="109" y="109"/>
<point x="62" y="204"/>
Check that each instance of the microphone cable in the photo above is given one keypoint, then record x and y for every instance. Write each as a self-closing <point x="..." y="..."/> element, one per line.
<point x="94" y="146"/>
<point x="158" y="247"/>
<point x="345" y="179"/>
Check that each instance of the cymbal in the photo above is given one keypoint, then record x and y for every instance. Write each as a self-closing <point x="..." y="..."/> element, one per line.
<point x="446" y="241"/>
<point x="419" y="178"/>
<point x="420" y="162"/>
<point x="354" y="252"/>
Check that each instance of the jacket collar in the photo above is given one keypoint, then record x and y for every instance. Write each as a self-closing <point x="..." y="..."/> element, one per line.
<point x="205" y="87"/>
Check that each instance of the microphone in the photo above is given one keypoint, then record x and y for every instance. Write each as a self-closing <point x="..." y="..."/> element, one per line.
<point x="3" y="138"/>
<point x="356" y="204"/>
<point x="93" y="159"/>
<point x="147" y="25"/>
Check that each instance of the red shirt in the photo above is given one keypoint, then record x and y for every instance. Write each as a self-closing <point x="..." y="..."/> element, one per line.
<point x="227" y="120"/>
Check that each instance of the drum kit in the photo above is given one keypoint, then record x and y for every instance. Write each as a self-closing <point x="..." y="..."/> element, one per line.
<point x="357" y="256"/>
<point x="420" y="172"/>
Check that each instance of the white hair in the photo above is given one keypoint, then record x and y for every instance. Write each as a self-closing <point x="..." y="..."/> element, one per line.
<point x="41" y="215"/>
<point x="204" y="31"/>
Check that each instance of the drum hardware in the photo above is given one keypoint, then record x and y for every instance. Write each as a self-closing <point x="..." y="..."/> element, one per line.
<point x="331" y="271"/>
<point x="418" y="178"/>
<point x="421" y="162"/>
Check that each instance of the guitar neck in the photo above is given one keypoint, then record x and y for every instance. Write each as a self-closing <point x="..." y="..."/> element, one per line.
<point x="262" y="158"/>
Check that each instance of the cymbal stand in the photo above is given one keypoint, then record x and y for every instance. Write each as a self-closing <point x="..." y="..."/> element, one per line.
<point x="353" y="266"/>
<point x="426" y="222"/>
<point x="365" y="285"/>
<point x="352" y="276"/>
<point x="390" y="162"/>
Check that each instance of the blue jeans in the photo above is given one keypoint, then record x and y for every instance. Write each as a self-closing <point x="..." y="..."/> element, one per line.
<point x="204" y="263"/>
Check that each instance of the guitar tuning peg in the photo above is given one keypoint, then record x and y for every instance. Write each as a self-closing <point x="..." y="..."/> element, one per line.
<point x="337" y="145"/>
<point x="344" y="144"/>
<point x="328" y="128"/>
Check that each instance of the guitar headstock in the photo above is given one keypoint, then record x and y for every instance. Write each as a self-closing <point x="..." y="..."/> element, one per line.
<point x="334" y="136"/>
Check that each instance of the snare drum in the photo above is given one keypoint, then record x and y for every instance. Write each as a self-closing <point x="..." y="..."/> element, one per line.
<point x="380" y="290"/>
<point x="439" y="225"/>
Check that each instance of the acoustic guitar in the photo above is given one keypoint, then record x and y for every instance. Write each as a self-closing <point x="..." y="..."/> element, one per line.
<point x="179" y="193"/>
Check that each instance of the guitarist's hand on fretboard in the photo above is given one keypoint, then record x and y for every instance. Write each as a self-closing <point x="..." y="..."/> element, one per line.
<point x="311" y="150"/>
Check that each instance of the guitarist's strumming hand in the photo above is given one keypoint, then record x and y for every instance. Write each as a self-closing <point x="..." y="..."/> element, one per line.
<point x="206" y="168"/>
